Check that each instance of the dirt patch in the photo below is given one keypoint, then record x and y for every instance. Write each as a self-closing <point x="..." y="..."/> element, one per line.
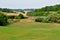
<point x="26" y="20"/>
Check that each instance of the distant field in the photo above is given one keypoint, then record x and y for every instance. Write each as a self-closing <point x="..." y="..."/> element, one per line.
<point x="30" y="31"/>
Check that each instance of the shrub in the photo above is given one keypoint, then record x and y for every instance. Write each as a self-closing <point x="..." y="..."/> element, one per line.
<point x="20" y="16"/>
<point x="3" y="20"/>
<point x="11" y="17"/>
<point x="16" y="17"/>
<point x="46" y="20"/>
<point x="38" y="19"/>
<point x="42" y="19"/>
<point x="58" y="21"/>
<point x="58" y="12"/>
<point x="50" y="18"/>
<point x="58" y="18"/>
<point x="53" y="17"/>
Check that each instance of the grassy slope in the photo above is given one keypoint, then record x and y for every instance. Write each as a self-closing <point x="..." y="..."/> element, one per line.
<point x="30" y="31"/>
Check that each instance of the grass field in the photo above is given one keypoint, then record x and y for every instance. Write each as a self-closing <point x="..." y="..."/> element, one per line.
<point x="30" y="31"/>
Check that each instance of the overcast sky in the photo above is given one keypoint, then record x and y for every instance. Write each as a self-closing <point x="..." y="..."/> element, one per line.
<point x="22" y="4"/>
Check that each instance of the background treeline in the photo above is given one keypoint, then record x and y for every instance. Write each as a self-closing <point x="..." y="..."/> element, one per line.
<point x="47" y="14"/>
<point x="49" y="8"/>
<point x="6" y="10"/>
<point x="14" y="10"/>
<point x="45" y="10"/>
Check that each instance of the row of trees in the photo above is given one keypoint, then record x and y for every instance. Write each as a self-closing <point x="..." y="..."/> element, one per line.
<point x="45" y="10"/>
<point x="38" y="13"/>
<point x="6" y="10"/>
<point x="49" y="8"/>
<point x="17" y="10"/>
<point x="47" y="14"/>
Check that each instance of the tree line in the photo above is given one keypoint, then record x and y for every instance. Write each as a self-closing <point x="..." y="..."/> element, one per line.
<point x="6" y="10"/>
<point x="47" y="14"/>
<point x="49" y="8"/>
<point x="45" y="10"/>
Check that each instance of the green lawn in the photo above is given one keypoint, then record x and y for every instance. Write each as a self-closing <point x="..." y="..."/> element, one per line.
<point x="30" y="31"/>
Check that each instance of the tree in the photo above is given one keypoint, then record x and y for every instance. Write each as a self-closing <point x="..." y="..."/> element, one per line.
<point x="21" y="16"/>
<point x="0" y="9"/>
<point x="3" y="20"/>
<point x="7" y="10"/>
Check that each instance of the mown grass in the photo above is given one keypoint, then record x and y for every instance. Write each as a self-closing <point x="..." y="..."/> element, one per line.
<point x="30" y="31"/>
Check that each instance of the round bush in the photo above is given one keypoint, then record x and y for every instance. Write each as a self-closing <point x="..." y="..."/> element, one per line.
<point x="20" y="16"/>
<point x="3" y="20"/>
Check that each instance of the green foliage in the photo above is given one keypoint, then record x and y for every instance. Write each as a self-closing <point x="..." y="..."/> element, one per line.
<point x="0" y="9"/>
<point x="38" y="13"/>
<point x="58" y="12"/>
<point x="35" y="14"/>
<point x="38" y="19"/>
<point x="53" y="17"/>
<point x="11" y="17"/>
<point x="58" y="21"/>
<point x="42" y="19"/>
<point x="46" y="20"/>
<point x="6" y="10"/>
<point x="16" y="17"/>
<point x="20" y="16"/>
<point x="45" y="11"/>
<point x="3" y="20"/>
<point x="49" y="8"/>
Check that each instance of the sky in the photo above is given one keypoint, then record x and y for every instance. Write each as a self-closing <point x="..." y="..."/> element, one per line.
<point x="27" y="4"/>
